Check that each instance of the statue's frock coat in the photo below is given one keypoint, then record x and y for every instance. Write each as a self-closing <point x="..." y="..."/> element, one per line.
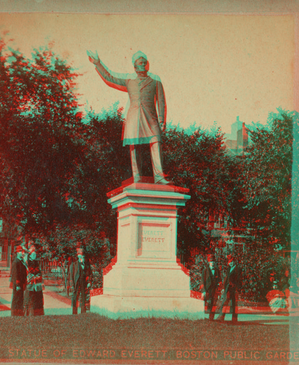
<point x="142" y="122"/>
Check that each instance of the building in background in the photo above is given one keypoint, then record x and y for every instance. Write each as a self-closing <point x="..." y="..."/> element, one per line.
<point x="237" y="141"/>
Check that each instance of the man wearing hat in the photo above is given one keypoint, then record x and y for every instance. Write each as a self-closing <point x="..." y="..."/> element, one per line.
<point x="232" y="284"/>
<point x="143" y="124"/>
<point x="80" y="280"/>
<point x="18" y="282"/>
<point x="211" y="279"/>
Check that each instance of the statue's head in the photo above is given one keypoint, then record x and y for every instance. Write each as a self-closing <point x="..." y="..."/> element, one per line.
<point x="140" y="62"/>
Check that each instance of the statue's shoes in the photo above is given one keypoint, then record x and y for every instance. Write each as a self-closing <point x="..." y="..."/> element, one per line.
<point x="163" y="181"/>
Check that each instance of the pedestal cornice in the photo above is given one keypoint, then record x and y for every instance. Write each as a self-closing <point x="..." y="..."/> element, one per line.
<point x="148" y="194"/>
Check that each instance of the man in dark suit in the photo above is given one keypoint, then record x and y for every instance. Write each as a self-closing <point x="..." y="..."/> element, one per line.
<point x="232" y="284"/>
<point x="211" y="279"/>
<point x="80" y="280"/>
<point x="18" y="283"/>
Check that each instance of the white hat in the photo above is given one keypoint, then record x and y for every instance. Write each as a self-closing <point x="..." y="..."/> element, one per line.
<point x="138" y="55"/>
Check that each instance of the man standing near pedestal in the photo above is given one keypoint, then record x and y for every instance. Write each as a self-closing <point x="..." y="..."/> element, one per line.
<point x="211" y="279"/>
<point x="232" y="284"/>
<point x="18" y="281"/>
<point x="142" y="122"/>
<point x="80" y="280"/>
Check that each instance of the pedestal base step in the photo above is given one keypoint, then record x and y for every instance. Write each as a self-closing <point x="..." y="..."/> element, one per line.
<point x="153" y="307"/>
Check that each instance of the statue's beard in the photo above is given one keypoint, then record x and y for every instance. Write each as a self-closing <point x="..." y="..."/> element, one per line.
<point x="141" y="73"/>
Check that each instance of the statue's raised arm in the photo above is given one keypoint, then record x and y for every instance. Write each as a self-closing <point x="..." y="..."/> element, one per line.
<point x="143" y="124"/>
<point x="117" y="82"/>
<point x="93" y="57"/>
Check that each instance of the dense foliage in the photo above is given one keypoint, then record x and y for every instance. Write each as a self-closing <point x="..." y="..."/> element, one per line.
<point x="267" y="180"/>
<point x="199" y="162"/>
<point x="39" y="152"/>
<point x="52" y="175"/>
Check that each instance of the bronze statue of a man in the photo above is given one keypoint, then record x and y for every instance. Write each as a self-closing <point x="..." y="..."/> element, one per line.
<point x="143" y="125"/>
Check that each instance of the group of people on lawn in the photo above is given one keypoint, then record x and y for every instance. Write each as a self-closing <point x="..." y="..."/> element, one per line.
<point x="27" y="282"/>
<point x="217" y="300"/>
<point x="220" y="294"/>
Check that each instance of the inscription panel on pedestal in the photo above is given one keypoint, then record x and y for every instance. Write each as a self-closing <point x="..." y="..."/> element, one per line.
<point x="153" y="240"/>
<point x="124" y="241"/>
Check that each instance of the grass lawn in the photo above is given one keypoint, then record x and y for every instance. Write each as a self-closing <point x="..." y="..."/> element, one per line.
<point x="92" y="331"/>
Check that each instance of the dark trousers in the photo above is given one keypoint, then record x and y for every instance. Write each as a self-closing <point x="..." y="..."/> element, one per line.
<point x="17" y="304"/>
<point x="81" y="292"/>
<point x="210" y="302"/>
<point x="233" y="296"/>
<point x="37" y="300"/>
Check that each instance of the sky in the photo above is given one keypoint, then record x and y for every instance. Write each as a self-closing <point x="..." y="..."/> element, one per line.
<point x="213" y="67"/>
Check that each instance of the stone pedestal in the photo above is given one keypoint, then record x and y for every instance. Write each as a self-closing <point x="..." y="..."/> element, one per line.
<point x="146" y="279"/>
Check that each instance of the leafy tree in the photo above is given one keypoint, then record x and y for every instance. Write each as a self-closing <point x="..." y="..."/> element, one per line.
<point x="267" y="180"/>
<point x="295" y="184"/>
<point x="52" y="180"/>
<point x="104" y="166"/>
<point x="38" y="149"/>
<point x="199" y="162"/>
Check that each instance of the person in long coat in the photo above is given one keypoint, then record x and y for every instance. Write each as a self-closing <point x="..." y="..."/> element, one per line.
<point x="80" y="281"/>
<point x="35" y="305"/>
<point x="18" y="282"/>
<point x="232" y="284"/>
<point x="143" y="124"/>
<point x="210" y="278"/>
<point x="68" y="267"/>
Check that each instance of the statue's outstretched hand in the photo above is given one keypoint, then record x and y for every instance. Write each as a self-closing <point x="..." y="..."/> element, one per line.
<point x="93" y="57"/>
